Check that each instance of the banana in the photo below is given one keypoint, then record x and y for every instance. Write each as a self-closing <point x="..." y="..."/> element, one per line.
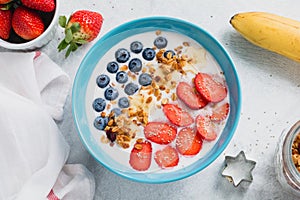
<point x="269" y="31"/>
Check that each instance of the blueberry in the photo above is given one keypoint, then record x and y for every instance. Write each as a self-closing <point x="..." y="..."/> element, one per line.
<point x="122" y="55"/>
<point x="160" y="42"/>
<point x="102" y="80"/>
<point x="131" y="88"/>
<point x="136" y="47"/>
<point x="172" y="53"/>
<point x="117" y="111"/>
<point x="145" y="79"/>
<point x="148" y="54"/>
<point x="123" y="102"/>
<point x="121" y="77"/>
<point x="111" y="93"/>
<point x="135" y="65"/>
<point x="112" y="67"/>
<point x="100" y="122"/>
<point x="99" y="104"/>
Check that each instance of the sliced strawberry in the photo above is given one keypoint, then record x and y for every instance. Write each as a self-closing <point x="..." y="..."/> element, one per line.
<point x="209" y="88"/>
<point x="177" y="116"/>
<point x="220" y="112"/>
<point x="5" y="25"/>
<point x="188" y="95"/>
<point x="188" y="142"/>
<point x="167" y="157"/>
<point x="160" y="133"/>
<point x="205" y="128"/>
<point x="140" y="156"/>
<point x="27" y="23"/>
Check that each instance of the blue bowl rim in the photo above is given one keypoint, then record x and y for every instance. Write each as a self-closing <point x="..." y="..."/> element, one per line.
<point x="121" y="28"/>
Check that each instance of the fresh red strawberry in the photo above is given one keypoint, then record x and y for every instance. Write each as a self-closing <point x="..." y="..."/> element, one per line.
<point x="209" y="88"/>
<point x="5" y="1"/>
<point x="205" y="128"/>
<point x="27" y="23"/>
<point x="188" y="142"/>
<point x="166" y="157"/>
<point x="42" y="5"/>
<point x="160" y="133"/>
<point x="187" y="94"/>
<point x="5" y="25"/>
<point x="220" y="112"/>
<point x="140" y="156"/>
<point x="177" y="116"/>
<point x="82" y="27"/>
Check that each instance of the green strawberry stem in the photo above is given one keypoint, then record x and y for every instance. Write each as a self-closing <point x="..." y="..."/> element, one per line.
<point x="69" y="41"/>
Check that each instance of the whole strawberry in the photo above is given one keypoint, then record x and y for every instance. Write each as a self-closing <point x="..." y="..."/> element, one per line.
<point x="5" y="1"/>
<point x="5" y="25"/>
<point x="26" y="23"/>
<point x="42" y="5"/>
<point x="82" y="27"/>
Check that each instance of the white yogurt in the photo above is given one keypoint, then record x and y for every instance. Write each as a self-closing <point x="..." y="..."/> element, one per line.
<point x="203" y="62"/>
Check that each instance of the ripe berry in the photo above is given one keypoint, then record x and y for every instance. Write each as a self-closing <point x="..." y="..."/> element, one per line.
<point x="99" y="104"/>
<point x="112" y="67"/>
<point x="135" y="65"/>
<point x="145" y="79"/>
<point x="169" y="54"/>
<point x="116" y="111"/>
<point x="82" y="27"/>
<point x="111" y="93"/>
<point x="42" y="5"/>
<point x="122" y="55"/>
<point x="148" y="54"/>
<point x="123" y="102"/>
<point x="136" y="47"/>
<point x="102" y="80"/>
<point x="121" y="77"/>
<point x="27" y="23"/>
<point x="100" y="122"/>
<point x="160" y="42"/>
<point x="131" y="88"/>
<point x="5" y="25"/>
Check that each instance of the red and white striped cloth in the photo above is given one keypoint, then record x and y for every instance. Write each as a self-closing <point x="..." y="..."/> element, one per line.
<point x="52" y="196"/>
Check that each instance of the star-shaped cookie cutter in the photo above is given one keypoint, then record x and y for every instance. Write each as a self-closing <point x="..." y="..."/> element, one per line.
<point x="238" y="169"/>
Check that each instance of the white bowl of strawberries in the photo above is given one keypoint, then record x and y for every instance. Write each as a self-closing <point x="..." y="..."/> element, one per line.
<point x="27" y="24"/>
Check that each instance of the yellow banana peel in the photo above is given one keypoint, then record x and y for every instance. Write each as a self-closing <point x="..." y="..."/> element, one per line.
<point x="269" y="31"/>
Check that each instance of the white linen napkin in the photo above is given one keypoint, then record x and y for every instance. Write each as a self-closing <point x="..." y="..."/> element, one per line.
<point x="33" y="152"/>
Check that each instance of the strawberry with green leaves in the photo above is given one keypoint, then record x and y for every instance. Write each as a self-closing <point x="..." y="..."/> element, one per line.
<point x="27" y="23"/>
<point x="82" y="27"/>
<point x="42" y="5"/>
<point x="5" y="25"/>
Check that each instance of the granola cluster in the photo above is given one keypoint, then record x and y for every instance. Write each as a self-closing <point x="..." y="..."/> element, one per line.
<point x="172" y="62"/>
<point x="123" y="128"/>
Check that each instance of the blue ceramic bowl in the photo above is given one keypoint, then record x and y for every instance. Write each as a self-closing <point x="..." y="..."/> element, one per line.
<point x="145" y="25"/>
